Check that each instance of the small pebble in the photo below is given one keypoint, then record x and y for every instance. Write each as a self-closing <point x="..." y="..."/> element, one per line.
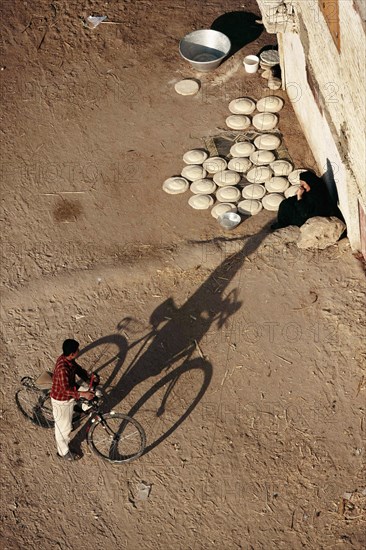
<point x="274" y="84"/>
<point x="266" y="74"/>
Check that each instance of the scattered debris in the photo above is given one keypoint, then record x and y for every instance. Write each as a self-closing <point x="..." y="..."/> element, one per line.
<point x="293" y="519"/>
<point x="42" y="39"/>
<point x="199" y="350"/>
<point x="140" y="492"/>
<point x="77" y="317"/>
<point x="361" y="385"/>
<point x="92" y="22"/>
<point x="352" y="505"/>
<point x="283" y="359"/>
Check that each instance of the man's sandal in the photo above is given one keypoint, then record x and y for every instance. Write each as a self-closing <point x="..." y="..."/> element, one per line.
<point x="69" y="456"/>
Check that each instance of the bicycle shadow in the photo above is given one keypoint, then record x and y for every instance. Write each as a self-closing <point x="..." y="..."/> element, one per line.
<point x="104" y="358"/>
<point x="173" y="340"/>
<point x="147" y="414"/>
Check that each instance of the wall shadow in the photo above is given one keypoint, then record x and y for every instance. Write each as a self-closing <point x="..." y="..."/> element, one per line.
<point x="240" y="27"/>
<point x="329" y="180"/>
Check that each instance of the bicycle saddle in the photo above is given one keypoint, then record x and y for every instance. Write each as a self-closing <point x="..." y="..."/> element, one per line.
<point x="44" y="381"/>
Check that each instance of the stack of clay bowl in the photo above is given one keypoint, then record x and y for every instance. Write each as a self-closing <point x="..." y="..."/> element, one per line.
<point x="251" y="177"/>
<point x="269" y="59"/>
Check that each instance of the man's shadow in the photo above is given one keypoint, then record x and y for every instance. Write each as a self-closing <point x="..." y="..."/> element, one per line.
<point x="172" y="346"/>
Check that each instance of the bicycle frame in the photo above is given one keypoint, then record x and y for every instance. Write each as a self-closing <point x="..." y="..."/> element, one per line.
<point x="112" y="425"/>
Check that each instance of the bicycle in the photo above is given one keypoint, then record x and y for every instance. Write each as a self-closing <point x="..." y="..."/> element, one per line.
<point x="114" y="437"/>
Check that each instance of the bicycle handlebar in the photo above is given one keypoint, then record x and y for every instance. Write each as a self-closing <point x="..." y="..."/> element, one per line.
<point x="94" y="381"/>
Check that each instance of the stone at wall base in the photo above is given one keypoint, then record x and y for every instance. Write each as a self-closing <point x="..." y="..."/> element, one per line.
<point x="319" y="232"/>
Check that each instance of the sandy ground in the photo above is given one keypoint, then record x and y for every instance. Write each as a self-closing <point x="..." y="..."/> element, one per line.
<point x="242" y="356"/>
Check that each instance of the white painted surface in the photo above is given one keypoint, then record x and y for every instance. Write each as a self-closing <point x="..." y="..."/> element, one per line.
<point x="333" y="117"/>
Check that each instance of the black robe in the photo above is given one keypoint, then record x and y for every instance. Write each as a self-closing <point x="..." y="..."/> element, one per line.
<point x="316" y="202"/>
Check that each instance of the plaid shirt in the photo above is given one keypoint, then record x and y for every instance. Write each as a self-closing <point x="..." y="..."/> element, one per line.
<point x="63" y="379"/>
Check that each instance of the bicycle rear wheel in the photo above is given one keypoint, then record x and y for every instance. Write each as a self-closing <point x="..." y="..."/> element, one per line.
<point x="35" y="405"/>
<point x="117" y="438"/>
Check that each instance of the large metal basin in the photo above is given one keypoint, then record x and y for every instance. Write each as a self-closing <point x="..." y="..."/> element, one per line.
<point x="204" y="49"/>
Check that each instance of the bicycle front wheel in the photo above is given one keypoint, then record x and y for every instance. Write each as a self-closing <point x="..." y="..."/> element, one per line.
<point x="35" y="405"/>
<point x="117" y="438"/>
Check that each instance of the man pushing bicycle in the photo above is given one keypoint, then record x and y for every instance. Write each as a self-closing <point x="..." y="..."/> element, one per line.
<point x="64" y="393"/>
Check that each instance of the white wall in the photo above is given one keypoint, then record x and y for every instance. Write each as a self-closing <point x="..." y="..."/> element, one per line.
<point x="313" y="123"/>
<point x="333" y="113"/>
<point x="334" y="123"/>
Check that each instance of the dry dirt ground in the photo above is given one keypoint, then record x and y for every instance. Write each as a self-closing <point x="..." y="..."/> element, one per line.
<point x="241" y="355"/>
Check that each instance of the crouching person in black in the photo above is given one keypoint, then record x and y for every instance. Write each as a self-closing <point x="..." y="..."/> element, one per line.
<point x="312" y="199"/>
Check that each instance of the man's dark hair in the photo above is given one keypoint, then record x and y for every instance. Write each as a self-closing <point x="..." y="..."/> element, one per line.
<point x="70" y="346"/>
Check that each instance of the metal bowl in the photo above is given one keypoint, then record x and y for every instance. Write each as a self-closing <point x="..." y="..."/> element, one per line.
<point x="229" y="220"/>
<point x="204" y="49"/>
